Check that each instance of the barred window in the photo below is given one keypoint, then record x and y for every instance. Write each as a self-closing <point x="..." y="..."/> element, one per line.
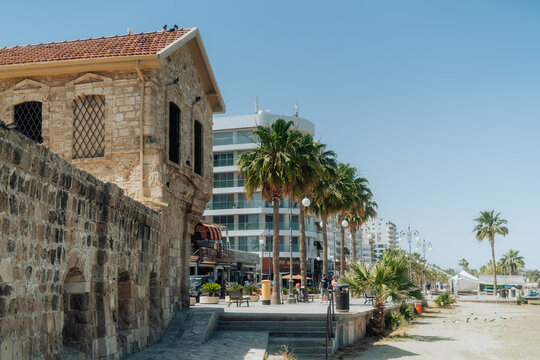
<point x="174" y="133"/>
<point x="27" y="116"/>
<point x="198" y="166"/>
<point x="89" y="127"/>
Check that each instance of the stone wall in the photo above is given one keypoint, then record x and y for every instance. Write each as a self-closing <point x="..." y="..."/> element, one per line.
<point x="81" y="263"/>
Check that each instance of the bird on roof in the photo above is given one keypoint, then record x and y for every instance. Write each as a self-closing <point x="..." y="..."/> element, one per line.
<point x="164" y="28"/>
<point x="129" y="31"/>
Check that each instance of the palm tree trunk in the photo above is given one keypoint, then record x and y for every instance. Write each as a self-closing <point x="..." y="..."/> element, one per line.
<point x="492" y="243"/>
<point x="302" y="240"/>
<point x="342" y="258"/>
<point x="376" y="326"/>
<point x="353" y="246"/>
<point x="276" y="290"/>
<point x="324" y="246"/>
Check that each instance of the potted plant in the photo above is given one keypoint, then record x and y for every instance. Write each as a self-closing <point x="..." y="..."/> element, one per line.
<point x="192" y="299"/>
<point x="252" y="291"/>
<point x="209" y="293"/>
<point x="285" y="292"/>
<point x="233" y="287"/>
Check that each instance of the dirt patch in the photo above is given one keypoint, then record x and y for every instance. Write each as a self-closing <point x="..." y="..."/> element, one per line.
<point x="465" y="331"/>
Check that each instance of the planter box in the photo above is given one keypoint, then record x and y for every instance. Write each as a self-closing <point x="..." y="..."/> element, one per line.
<point x="253" y="298"/>
<point x="192" y="301"/>
<point x="209" y="300"/>
<point x="315" y="296"/>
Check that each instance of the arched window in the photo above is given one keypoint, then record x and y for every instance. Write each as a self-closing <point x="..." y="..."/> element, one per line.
<point x="174" y="133"/>
<point x="89" y="127"/>
<point x="27" y="116"/>
<point x="198" y="165"/>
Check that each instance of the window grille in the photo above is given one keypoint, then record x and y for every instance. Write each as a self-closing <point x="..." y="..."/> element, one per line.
<point x="174" y="133"/>
<point x="89" y="127"/>
<point x="28" y="118"/>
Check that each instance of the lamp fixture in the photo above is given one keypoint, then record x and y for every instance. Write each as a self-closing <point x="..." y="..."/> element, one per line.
<point x="306" y="202"/>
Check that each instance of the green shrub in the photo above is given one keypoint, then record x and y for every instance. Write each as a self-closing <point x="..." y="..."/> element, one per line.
<point x="393" y="320"/>
<point x="407" y="311"/>
<point x="312" y="290"/>
<point x="285" y="291"/>
<point x="250" y="289"/>
<point x="445" y="300"/>
<point x="521" y="300"/>
<point x="424" y="304"/>
<point x="211" y="288"/>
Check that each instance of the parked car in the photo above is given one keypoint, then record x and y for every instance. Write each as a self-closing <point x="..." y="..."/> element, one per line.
<point x="196" y="282"/>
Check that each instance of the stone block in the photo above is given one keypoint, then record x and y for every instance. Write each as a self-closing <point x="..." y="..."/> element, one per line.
<point x="6" y="270"/>
<point x="6" y="349"/>
<point x="77" y="287"/>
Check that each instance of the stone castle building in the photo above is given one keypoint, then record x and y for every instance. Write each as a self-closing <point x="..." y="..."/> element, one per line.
<point x="95" y="223"/>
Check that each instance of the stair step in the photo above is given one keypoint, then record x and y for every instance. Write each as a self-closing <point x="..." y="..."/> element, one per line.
<point x="298" y="342"/>
<point x="262" y="327"/>
<point x="311" y="333"/>
<point x="301" y="352"/>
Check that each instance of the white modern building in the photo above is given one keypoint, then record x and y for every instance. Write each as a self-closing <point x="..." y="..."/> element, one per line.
<point x="249" y="222"/>
<point x="377" y="235"/>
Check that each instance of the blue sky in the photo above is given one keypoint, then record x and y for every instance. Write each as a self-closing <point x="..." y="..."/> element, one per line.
<point x="436" y="103"/>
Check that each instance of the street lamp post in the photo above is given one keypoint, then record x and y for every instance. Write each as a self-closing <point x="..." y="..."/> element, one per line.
<point x="291" y="299"/>
<point x="344" y="224"/>
<point x="424" y="245"/>
<point x="367" y="231"/>
<point x="409" y="234"/>
<point x="262" y="240"/>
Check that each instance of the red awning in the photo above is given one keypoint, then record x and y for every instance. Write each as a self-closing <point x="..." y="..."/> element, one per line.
<point x="207" y="231"/>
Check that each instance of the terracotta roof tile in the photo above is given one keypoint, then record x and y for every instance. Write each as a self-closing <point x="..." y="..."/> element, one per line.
<point x="114" y="46"/>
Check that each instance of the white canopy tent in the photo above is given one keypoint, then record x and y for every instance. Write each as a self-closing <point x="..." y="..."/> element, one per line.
<point x="464" y="282"/>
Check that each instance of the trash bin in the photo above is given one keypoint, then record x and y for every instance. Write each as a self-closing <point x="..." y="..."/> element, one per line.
<point x="266" y="292"/>
<point x="342" y="298"/>
<point x="512" y="293"/>
<point x="503" y="293"/>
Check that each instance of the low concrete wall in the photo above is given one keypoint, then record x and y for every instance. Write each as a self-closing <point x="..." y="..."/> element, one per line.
<point x="350" y="328"/>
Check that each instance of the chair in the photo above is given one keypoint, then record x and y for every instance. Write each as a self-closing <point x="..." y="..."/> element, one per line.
<point x="235" y="296"/>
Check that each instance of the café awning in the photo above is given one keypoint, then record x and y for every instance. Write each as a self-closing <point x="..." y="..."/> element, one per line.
<point x="208" y="231"/>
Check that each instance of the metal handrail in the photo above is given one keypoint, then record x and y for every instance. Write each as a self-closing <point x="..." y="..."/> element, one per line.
<point x="330" y="317"/>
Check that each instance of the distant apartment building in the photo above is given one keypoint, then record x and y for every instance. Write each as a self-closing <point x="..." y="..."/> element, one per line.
<point x="377" y="235"/>
<point x="247" y="223"/>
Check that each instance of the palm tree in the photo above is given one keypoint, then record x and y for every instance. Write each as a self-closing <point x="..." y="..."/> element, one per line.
<point x="488" y="226"/>
<point x="323" y="202"/>
<point x="363" y="213"/>
<point x="310" y="159"/>
<point x="387" y="278"/>
<point x="512" y="262"/>
<point x="271" y="167"/>
<point x="346" y="195"/>
<point x="464" y="264"/>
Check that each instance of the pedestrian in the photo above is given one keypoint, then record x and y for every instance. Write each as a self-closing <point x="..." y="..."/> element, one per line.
<point x="324" y="288"/>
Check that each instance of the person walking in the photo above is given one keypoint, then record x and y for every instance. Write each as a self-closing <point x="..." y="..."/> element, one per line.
<point x="324" y="288"/>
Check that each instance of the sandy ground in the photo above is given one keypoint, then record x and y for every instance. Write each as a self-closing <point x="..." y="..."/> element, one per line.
<point x="466" y="331"/>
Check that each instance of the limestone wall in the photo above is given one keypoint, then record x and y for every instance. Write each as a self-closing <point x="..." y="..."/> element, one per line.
<point x="80" y="262"/>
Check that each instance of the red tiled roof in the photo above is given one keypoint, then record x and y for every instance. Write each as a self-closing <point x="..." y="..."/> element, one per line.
<point x="115" y="46"/>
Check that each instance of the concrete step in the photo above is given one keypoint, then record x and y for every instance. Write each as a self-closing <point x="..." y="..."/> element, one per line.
<point x="298" y="342"/>
<point x="272" y="317"/>
<point x="311" y="333"/>
<point x="270" y="328"/>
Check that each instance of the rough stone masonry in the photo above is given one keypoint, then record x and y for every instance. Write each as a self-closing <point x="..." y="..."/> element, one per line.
<point x="89" y="268"/>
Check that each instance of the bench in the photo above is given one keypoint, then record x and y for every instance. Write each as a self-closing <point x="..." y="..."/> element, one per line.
<point x="368" y="297"/>
<point x="235" y="296"/>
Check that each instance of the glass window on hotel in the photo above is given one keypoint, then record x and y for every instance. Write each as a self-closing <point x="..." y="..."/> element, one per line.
<point x="246" y="137"/>
<point x="223" y="180"/>
<point x="223" y="138"/>
<point x="222" y="201"/>
<point x="223" y="159"/>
